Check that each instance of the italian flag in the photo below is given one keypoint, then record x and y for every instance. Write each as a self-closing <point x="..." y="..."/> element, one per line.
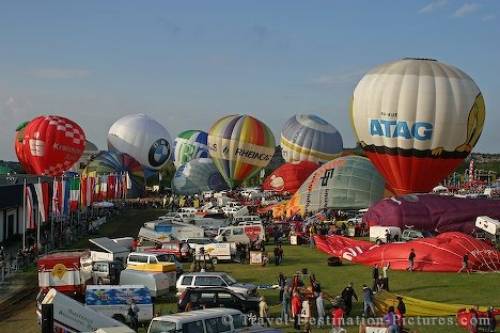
<point x="74" y="193"/>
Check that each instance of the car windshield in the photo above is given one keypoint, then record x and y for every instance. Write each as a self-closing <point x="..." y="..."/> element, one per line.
<point x="160" y="326"/>
<point x="228" y="279"/>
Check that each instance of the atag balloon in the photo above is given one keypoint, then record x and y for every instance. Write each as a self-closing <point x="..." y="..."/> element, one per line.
<point x="51" y="145"/>
<point x="141" y="137"/>
<point x="416" y="120"/>
<point x="310" y="138"/>
<point x="189" y="145"/>
<point x="240" y="146"/>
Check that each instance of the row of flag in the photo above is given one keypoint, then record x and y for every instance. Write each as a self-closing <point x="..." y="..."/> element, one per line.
<point x="69" y="194"/>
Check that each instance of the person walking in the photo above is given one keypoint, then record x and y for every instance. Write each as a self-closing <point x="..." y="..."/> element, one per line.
<point x="375" y="275"/>
<point x="320" y="310"/>
<point x="465" y="264"/>
<point x="347" y="295"/>
<point x="281" y="284"/>
<point x="411" y="260"/>
<point x="390" y="321"/>
<point x="368" y="301"/>
<point x="296" y="310"/>
<point x="264" y="312"/>
<point x="276" y="255"/>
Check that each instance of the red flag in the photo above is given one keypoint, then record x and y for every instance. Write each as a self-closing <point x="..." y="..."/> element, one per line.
<point x="30" y="216"/>
<point x="42" y="195"/>
<point x="103" y="188"/>
<point x="111" y="186"/>
<point x="56" y="197"/>
<point x="83" y="192"/>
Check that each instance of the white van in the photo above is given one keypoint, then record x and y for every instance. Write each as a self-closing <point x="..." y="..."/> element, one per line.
<point x="241" y="234"/>
<point x="158" y="283"/>
<point x="247" y="218"/>
<point x="200" y="321"/>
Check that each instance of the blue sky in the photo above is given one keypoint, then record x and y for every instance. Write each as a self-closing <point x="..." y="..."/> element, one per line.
<point x="187" y="63"/>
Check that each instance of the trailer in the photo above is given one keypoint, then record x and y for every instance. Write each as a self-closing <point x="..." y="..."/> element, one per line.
<point x="68" y="272"/>
<point x="71" y="316"/>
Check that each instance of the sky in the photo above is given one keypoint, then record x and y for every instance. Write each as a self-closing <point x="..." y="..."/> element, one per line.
<point x="187" y="63"/>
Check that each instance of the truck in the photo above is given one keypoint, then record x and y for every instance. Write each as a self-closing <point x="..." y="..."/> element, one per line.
<point x="490" y="228"/>
<point x="377" y="233"/>
<point x="106" y="249"/>
<point x="114" y="301"/>
<point x="71" y="316"/>
<point x="68" y="272"/>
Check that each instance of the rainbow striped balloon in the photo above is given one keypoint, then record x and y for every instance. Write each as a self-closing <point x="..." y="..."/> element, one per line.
<point x="240" y="146"/>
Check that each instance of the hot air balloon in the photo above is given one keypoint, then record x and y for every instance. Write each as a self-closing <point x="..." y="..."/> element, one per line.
<point x="106" y="163"/>
<point x="416" y="120"/>
<point x="346" y="182"/>
<point x="141" y="137"/>
<point x="196" y="176"/>
<point x="19" y="147"/>
<point x="240" y="146"/>
<point x="310" y="138"/>
<point x="51" y="145"/>
<point x="189" y="145"/>
<point x="289" y="176"/>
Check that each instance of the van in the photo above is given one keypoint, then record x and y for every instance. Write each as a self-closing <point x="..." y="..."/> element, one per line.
<point x="247" y="218"/>
<point x="241" y="234"/>
<point x="114" y="301"/>
<point x="152" y="262"/>
<point x="106" y="272"/>
<point x="158" y="283"/>
<point x="200" y="321"/>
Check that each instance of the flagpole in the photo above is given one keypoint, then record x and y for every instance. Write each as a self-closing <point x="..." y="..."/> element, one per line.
<point x="38" y="220"/>
<point x="24" y="214"/>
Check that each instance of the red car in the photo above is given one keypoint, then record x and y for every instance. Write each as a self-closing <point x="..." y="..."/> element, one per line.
<point x="179" y="249"/>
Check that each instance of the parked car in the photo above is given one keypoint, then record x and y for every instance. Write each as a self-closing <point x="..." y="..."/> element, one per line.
<point x="167" y="257"/>
<point x="216" y="297"/>
<point x="106" y="272"/>
<point x="204" y="321"/>
<point x="214" y="279"/>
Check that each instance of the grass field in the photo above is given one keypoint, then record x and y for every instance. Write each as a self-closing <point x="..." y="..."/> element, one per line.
<point x="483" y="289"/>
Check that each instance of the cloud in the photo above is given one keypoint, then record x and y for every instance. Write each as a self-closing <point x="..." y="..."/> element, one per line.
<point x="61" y="73"/>
<point x="489" y="17"/>
<point x="466" y="9"/>
<point x="434" y="5"/>
<point x="335" y="80"/>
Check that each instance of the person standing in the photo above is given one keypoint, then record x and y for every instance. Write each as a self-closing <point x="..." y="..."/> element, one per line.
<point x="264" y="311"/>
<point x="400" y="311"/>
<point x="347" y="295"/>
<point x="280" y="254"/>
<point x="281" y="284"/>
<point x="320" y="309"/>
<point x="390" y="321"/>
<point x="411" y="260"/>
<point x="133" y="315"/>
<point x="387" y="236"/>
<point x="337" y="318"/>
<point x="296" y="310"/>
<point x="368" y="301"/>
<point x="385" y="276"/>
<point x="276" y="255"/>
<point x="375" y="275"/>
<point x="285" y="305"/>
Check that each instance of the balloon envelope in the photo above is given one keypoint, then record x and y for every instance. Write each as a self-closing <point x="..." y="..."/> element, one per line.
<point x="289" y="176"/>
<point x="141" y="137"/>
<point x="189" y="145"/>
<point x="310" y="138"/>
<point x="106" y="163"/>
<point x="196" y="176"/>
<point x="19" y="147"/>
<point x="417" y="119"/>
<point x="346" y="182"/>
<point x="240" y="146"/>
<point x="51" y="145"/>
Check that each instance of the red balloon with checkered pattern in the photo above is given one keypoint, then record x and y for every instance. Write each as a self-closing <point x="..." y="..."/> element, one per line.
<point x="52" y="144"/>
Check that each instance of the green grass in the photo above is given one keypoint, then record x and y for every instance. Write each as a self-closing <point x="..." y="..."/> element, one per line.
<point x="482" y="289"/>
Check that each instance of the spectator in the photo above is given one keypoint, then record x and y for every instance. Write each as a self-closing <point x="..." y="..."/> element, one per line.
<point x="280" y="254"/>
<point x="264" y="311"/>
<point x="387" y="236"/>
<point x="285" y="304"/>
<point x="282" y="285"/>
<point x="320" y="309"/>
<point x="380" y="283"/>
<point x="390" y="321"/>
<point x="296" y="310"/>
<point x="276" y="256"/>
<point x="133" y="315"/>
<point x="337" y="318"/>
<point x="465" y="264"/>
<point x="385" y="276"/>
<point x="368" y="301"/>
<point x="375" y="275"/>
<point x="347" y="295"/>
<point x="401" y="311"/>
